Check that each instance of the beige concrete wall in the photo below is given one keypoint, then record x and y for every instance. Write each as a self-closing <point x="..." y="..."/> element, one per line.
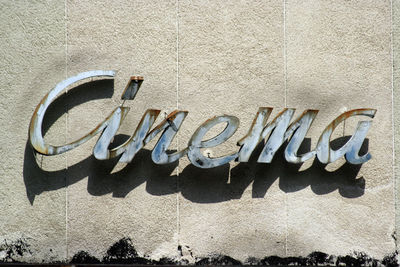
<point x="209" y="58"/>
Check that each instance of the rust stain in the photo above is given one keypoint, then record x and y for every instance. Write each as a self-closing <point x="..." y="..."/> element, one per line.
<point x="349" y="114"/>
<point x="132" y="87"/>
<point x="274" y="133"/>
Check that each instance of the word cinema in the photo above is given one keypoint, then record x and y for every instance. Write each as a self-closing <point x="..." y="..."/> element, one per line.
<point x="273" y="133"/>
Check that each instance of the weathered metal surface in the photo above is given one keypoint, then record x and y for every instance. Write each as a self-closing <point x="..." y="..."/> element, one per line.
<point x="35" y="128"/>
<point x="358" y="139"/>
<point x="196" y="143"/>
<point x="299" y="129"/>
<point x="249" y="142"/>
<point x="274" y="133"/>
<point x="276" y="129"/>
<point x="132" y="88"/>
<point x="101" y="150"/>
<point x="170" y="127"/>
<point x="327" y="155"/>
<point x="136" y="141"/>
<point x="142" y="136"/>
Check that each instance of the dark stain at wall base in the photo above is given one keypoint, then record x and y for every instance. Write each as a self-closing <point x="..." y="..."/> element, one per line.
<point x="123" y="252"/>
<point x="84" y="257"/>
<point x="12" y="250"/>
<point x="218" y="260"/>
<point x="320" y="258"/>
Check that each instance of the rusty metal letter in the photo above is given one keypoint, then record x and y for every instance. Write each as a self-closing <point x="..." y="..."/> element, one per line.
<point x="278" y="128"/>
<point x="170" y="126"/>
<point x="253" y="138"/>
<point x="275" y="133"/>
<point x="300" y="128"/>
<point x="35" y="128"/>
<point x="196" y="143"/>
<point x="142" y="136"/>
<point x="327" y="155"/>
<point x="280" y="133"/>
<point x="131" y="146"/>
<point x="359" y="136"/>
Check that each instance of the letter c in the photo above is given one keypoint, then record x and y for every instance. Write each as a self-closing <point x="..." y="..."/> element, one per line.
<point x="35" y="127"/>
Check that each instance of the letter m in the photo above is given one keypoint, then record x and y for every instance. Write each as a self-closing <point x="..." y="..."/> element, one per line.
<point x="275" y="133"/>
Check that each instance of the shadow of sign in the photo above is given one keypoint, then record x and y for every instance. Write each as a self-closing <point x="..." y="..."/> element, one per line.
<point x="212" y="185"/>
<point x="198" y="185"/>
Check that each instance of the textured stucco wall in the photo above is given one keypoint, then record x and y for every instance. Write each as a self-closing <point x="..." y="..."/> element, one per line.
<point x="209" y="58"/>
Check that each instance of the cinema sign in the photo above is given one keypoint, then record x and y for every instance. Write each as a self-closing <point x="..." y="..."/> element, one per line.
<point x="273" y="133"/>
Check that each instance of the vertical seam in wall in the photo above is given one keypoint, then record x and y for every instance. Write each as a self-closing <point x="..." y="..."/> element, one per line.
<point x="284" y="53"/>
<point x="66" y="132"/>
<point x="285" y="101"/>
<point x="393" y="122"/>
<point x="177" y="137"/>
